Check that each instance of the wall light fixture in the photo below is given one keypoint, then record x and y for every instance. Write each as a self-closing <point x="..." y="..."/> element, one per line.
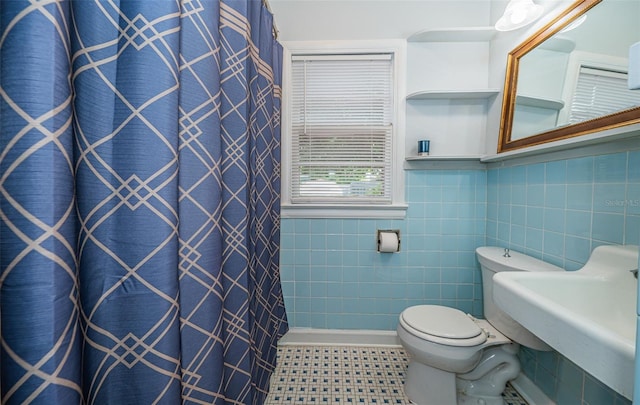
<point x="518" y="14"/>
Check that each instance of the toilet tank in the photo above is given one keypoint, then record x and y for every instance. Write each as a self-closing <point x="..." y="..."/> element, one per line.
<point x="493" y="260"/>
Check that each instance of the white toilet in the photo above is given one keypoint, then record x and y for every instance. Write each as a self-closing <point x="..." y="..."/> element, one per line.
<point x="458" y="359"/>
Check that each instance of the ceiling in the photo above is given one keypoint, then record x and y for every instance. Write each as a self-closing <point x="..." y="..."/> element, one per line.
<point x="374" y="19"/>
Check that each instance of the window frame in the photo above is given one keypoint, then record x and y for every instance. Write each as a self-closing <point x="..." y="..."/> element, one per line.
<point x="397" y="208"/>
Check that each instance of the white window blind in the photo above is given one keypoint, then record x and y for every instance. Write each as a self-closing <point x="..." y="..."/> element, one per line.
<point x="341" y="129"/>
<point x="600" y="92"/>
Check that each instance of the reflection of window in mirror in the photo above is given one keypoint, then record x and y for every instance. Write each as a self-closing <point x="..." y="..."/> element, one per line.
<point x="539" y="90"/>
<point x="595" y="85"/>
<point x="600" y="92"/>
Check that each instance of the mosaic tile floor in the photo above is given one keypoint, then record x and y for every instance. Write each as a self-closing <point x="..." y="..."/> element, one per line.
<point x="344" y="375"/>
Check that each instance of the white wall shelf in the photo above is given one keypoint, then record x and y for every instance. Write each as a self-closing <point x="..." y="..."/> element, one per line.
<point x="448" y="158"/>
<point x="451" y="162"/>
<point x="448" y="96"/>
<point x="463" y="34"/>
<point x="453" y="94"/>
<point x="539" y="102"/>
<point x="603" y="142"/>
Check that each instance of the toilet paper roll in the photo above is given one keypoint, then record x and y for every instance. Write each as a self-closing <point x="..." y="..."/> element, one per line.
<point x="388" y="242"/>
<point x="634" y="67"/>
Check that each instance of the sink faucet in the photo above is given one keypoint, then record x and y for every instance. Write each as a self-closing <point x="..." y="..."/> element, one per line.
<point x="506" y="254"/>
<point x="635" y="273"/>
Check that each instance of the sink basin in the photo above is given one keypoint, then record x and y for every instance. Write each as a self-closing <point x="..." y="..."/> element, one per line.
<point x="588" y="315"/>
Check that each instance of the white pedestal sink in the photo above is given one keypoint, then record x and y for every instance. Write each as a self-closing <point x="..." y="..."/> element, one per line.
<point x="588" y="315"/>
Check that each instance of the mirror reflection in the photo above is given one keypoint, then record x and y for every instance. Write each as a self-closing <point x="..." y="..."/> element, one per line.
<point x="576" y="75"/>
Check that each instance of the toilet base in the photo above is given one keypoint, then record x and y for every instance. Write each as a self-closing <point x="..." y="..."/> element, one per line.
<point x="484" y="384"/>
<point x="484" y="400"/>
<point x="425" y="385"/>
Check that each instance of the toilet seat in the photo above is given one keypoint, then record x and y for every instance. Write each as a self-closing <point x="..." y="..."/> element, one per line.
<point x="443" y="325"/>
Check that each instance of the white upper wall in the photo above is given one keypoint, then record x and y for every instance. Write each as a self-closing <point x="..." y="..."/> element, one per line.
<point x="330" y="20"/>
<point x="311" y="20"/>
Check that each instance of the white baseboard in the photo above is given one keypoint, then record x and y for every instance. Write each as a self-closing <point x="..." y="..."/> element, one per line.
<point x="530" y="392"/>
<point x="339" y="337"/>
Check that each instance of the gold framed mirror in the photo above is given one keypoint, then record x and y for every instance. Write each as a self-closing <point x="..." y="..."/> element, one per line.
<point x="510" y="139"/>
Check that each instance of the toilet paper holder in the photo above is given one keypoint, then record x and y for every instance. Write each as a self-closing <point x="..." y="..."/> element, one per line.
<point x="380" y="237"/>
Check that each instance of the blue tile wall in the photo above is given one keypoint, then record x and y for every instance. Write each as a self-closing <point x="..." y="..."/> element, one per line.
<point x="558" y="211"/>
<point x="334" y="278"/>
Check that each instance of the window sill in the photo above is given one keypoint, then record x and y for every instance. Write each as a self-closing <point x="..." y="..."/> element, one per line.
<point x="394" y="211"/>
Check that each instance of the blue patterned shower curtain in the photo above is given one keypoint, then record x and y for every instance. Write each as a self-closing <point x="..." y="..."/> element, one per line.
<point x="139" y="201"/>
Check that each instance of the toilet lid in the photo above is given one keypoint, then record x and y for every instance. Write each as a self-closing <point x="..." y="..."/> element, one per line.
<point x="444" y="322"/>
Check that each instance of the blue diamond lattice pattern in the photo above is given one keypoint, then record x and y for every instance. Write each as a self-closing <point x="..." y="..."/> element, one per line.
<point x="140" y="195"/>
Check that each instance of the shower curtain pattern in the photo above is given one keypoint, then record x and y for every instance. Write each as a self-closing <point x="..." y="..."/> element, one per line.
<point x="139" y="205"/>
